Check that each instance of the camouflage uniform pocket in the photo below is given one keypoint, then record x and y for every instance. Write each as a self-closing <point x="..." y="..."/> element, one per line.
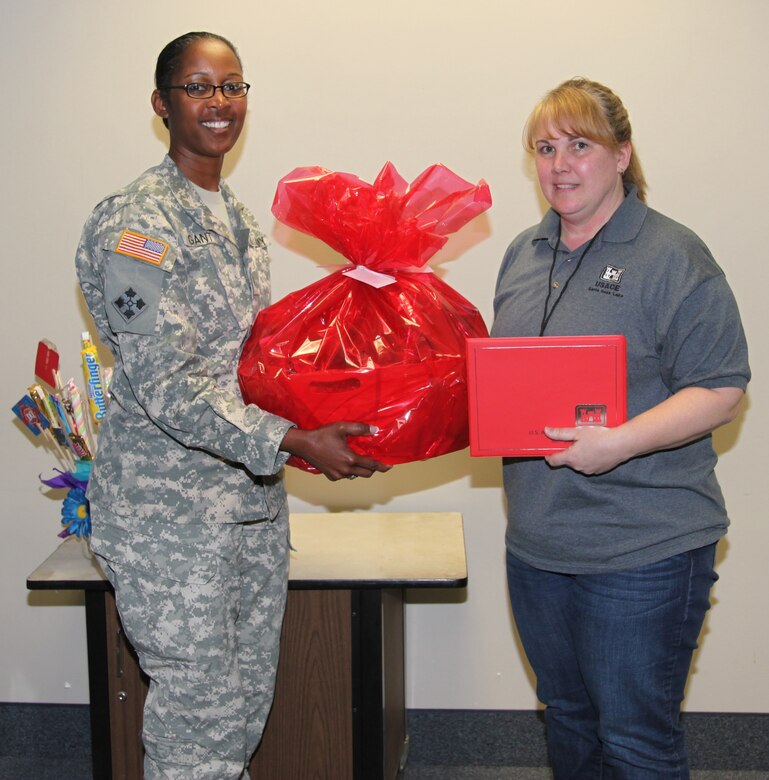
<point x="165" y="752"/>
<point x="177" y="552"/>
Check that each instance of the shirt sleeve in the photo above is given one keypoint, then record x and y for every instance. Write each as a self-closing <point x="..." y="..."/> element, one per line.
<point x="705" y="345"/>
<point x="176" y="340"/>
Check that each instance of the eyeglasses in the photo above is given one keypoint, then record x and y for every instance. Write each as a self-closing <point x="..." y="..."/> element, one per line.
<point x="202" y="91"/>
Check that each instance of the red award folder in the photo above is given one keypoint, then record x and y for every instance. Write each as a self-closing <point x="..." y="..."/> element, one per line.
<point x="517" y="386"/>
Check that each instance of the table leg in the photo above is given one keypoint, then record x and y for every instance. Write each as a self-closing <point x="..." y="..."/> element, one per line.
<point x="117" y="691"/>
<point x="379" y="723"/>
<point x="98" y="683"/>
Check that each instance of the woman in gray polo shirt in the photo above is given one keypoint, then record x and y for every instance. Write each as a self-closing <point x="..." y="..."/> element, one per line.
<point x="611" y="541"/>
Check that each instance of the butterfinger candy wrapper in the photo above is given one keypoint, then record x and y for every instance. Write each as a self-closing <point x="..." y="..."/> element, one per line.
<point x="97" y="395"/>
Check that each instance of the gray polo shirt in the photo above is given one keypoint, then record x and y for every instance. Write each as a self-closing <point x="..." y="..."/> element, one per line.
<point x="654" y="281"/>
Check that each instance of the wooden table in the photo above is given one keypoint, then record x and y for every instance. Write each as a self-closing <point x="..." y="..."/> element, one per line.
<point x="339" y="708"/>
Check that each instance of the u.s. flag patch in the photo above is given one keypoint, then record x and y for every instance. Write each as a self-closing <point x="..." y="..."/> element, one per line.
<point x="151" y="250"/>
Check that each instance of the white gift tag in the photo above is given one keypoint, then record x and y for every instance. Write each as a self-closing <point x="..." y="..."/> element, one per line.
<point x="369" y="277"/>
<point x="376" y="279"/>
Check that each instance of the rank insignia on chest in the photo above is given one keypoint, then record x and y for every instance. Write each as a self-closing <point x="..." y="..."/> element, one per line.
<point x="150" y="250"/>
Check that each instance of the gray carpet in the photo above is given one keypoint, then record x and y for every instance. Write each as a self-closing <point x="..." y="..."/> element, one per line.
<point x="417" y="772"/>
<point x="13" y="768"/>
<point x="52" y="742"/>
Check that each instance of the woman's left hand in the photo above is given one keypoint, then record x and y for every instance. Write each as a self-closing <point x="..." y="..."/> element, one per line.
<point x="687" y="415"/>
<point x="594" y="449"/>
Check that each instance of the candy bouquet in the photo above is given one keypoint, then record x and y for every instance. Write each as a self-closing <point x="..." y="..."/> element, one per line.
<point x="55" y="411"/>
<point x="381" y="340"/>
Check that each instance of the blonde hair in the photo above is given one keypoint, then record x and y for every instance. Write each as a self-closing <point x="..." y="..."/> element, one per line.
<point x="591" y="110"/>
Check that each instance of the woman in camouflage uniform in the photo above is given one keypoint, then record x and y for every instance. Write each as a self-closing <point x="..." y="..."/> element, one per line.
<point x="190" y="520"/>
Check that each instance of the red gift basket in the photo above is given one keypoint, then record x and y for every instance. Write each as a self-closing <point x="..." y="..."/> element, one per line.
<point x="381" y="341"/>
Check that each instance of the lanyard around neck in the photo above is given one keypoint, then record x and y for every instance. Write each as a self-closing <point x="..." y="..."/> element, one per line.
<point x="546" y="315"/>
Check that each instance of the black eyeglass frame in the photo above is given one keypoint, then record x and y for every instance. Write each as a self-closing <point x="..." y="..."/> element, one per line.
<point x="223" y="87"/>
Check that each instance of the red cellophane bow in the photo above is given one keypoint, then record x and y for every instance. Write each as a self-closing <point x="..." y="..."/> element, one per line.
<point x="348" y="348"/>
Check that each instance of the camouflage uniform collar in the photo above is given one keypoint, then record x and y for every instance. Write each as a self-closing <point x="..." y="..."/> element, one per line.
<point x="190" y="201"/>
<point x="181" y="187"/>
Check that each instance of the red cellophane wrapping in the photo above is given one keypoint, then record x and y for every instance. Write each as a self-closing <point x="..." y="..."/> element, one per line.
<point x="343" y="349"/>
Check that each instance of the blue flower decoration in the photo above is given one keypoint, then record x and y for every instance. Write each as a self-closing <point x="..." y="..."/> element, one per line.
<point x="76" y="514"/>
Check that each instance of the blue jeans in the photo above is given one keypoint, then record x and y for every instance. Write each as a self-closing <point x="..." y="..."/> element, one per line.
<point x="611" y="653"/>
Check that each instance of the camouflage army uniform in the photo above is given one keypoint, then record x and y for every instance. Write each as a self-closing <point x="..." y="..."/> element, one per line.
<point x="189" y="509"/>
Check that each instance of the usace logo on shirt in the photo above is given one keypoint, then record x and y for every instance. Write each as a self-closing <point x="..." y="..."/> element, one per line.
<point x="612" y="274"/>
<point x="609" y="281"/>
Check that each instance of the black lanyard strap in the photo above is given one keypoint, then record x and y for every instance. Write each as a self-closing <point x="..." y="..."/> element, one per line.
<point x="546" y="315"/>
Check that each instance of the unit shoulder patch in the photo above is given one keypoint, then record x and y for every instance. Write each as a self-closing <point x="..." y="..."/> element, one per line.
<point x="129" y="304"/>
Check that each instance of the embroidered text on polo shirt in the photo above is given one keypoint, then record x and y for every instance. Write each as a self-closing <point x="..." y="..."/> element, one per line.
<point x="609" y="281"/>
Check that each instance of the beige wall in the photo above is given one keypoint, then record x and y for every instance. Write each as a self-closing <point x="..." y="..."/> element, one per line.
<point x="349" y="85"/>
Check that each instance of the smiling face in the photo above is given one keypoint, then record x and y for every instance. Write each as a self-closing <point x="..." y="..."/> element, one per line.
<point x="202" y="131"/>
<point x="580" y="178"/>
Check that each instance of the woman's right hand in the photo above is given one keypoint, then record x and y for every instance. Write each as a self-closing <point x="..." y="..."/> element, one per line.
<point x="326" y="449"/>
